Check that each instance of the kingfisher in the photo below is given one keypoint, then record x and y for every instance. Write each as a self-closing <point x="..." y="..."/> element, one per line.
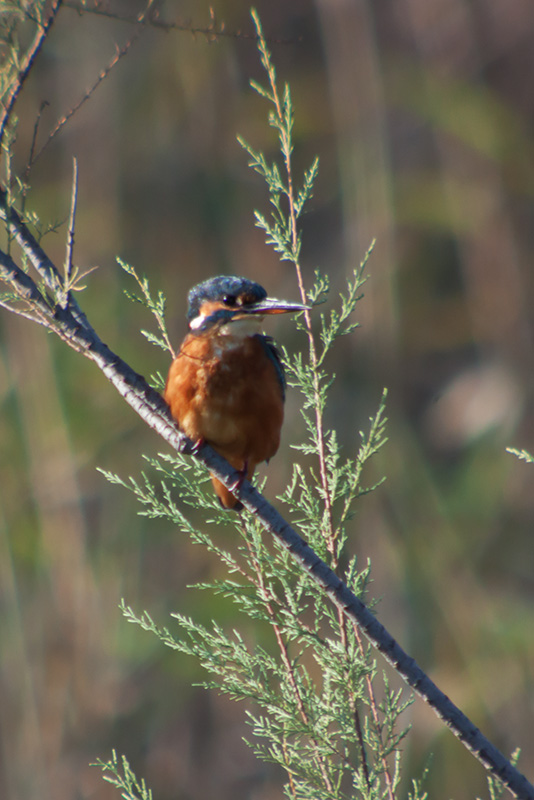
<point x="226" y="385"/>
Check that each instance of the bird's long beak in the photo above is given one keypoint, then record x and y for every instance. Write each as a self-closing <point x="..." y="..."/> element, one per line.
<point x="272" y="306"/>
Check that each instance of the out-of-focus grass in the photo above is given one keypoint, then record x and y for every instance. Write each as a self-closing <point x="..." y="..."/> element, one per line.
<point x="420" y="112"/>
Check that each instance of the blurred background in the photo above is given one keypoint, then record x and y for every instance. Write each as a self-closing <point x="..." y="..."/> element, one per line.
<point x="422" y="113"/>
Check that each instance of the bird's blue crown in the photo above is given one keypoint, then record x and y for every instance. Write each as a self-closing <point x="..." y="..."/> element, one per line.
<point x="226" y="288"/>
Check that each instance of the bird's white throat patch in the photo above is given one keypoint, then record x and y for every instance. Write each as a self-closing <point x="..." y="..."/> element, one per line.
<point x="236" y="328"/>
<point x="241" y="328"/>
<point x="198" y="322"/>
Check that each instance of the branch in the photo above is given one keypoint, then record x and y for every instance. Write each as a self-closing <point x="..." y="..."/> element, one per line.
<point x="120" y="52"/>
<point x="69" y="254"/>
<point x="150" y="18"/>
<point x="32" y="250"/>
<point x="26" y="66"/>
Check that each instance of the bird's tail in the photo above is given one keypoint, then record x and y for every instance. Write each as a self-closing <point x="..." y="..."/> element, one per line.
<point x="226" y="498"/>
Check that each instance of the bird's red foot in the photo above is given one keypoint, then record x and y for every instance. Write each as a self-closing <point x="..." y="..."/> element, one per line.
<point x="242" y="475"/>
<point x="197" y="445"/>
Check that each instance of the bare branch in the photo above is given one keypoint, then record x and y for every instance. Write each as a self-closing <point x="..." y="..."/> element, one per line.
<point x="150" y="18"/>
<point x="70" y="233"/>
<point x="26" y="66"/>
<point x="22" y="312"/>
<point x="120" y="52"/>
<point x="27" y="169"/>
<point x="37" y="256"/>
<point x="21" y="283"/>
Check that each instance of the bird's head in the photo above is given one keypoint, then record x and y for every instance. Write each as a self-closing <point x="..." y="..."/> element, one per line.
<point x="228" y="304"/>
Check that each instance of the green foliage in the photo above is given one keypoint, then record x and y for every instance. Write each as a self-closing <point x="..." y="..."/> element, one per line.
<point x="309" y="683"/>
<point x="522" y="454"/>
<point x="121" y="775"/>
<point x="495" y="788"/>
<point x="17" y="18"/>
<point x="12" y="15"/>
<point x="305" y="494"/>
<point x="307" y="676"/>
<point x="418" y="793"/>
<point x="338" y="325"/>
<point x="280" y="231"/>
<point x="156" y="306"/>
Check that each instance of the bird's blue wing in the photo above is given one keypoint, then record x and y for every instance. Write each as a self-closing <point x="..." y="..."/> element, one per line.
<point x="272" y="351"/>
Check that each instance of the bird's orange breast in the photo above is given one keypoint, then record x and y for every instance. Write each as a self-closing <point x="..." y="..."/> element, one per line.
<point x="226" y="391"/>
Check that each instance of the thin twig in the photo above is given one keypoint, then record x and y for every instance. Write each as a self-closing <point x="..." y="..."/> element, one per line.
<point x="23" y="312"/>
<point x="284" y="128"/>
<point x="286" y="150"/>
<point x="27" y="169"/>
<point x="354" y="706"/>
<point x="45" y="268"/>
<point x="292" y="787"/>
<point x="211" y="32"/>
<point x="119" y="53"/>
<point x="319" y="427"/>
<point x="70" y="233"/>
<point x="26" y="66"/>
<point x="376" y="718"/>
<point x="290" y="672"/>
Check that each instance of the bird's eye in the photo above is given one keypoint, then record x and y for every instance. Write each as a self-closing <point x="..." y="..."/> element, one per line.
<point x="229" y="299"/>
